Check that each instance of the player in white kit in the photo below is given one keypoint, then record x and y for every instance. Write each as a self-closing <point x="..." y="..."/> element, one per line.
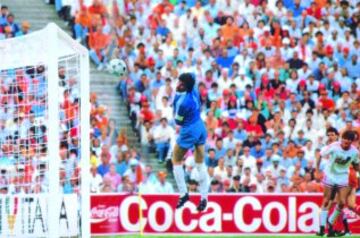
<point x="336" y="174"/>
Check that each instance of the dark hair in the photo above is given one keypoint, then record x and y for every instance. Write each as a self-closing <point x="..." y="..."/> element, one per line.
<point x="332" y="129"/>
<point x="188" y="80"/>
<point x="349" y="135"/>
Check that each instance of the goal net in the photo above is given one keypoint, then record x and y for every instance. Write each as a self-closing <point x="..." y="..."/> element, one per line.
<point x="44" y="136"/>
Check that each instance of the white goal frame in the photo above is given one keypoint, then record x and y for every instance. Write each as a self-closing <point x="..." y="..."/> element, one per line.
<point x="47" y="46"/>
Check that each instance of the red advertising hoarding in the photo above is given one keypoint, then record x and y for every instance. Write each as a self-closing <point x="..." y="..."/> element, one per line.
<point x="226" y="214"/>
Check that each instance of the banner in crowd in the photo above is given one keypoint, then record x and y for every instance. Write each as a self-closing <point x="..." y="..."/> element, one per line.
<point x="27" y="216"/>
<point x="226" y="214"/>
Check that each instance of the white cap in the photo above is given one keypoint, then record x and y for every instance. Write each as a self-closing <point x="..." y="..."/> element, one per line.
<point x="286" y="41"/>
<point x="285" y="28"/>
<point x="133" y="162"/>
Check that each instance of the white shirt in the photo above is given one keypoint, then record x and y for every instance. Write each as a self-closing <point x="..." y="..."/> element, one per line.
<point x="163" y="134"/>
<point x="250" y="162"/>
<point x="339" y="159"/>
<point x="95" y="183"/>
<point x="218" y="172"/>
<point x="164" y="188"/>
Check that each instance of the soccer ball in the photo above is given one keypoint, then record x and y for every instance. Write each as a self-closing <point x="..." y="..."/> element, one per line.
<point x="117" y="67"/>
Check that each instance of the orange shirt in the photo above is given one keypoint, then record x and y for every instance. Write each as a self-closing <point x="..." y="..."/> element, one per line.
<point x="98" y="41"/>
<point x="290" y="151"/>
<point x="84" y="19"/>
<point x="321" y="3"/>
<point x="228" y="32"/>
<point x="100" y="9"/>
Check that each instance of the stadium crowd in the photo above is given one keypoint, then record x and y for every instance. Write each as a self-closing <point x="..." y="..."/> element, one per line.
<point x="273" y="75"/>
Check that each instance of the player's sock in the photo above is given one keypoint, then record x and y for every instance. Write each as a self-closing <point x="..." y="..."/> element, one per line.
<point x="323" y="218"/>
<point x="345" y="223"/>
<point x="180" y="179"/>
<point x="334" y="215"/>
<point x="203" y="180"/>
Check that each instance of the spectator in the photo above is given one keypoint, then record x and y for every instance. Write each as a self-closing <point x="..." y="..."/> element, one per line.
<point x="275" y="74"/>
<point x="163" y="186"/>
<point x="210" y="159"/>
<point x="193" y="186"/>
<point x="104" y="167"/>
<point x="113" y="176"/>
<point x="236" y="186"/>
<point x="96" y="180"/>
<point x="25" y="26"/>
<point x="162" y="136"/>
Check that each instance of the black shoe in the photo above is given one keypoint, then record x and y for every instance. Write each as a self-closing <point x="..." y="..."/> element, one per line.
<point x="182" y="201"/>
<point x="321" y="234"/>
<point x="202" y="205"/>
<point x="331" y="232"/>
<point x="340" y="233"/>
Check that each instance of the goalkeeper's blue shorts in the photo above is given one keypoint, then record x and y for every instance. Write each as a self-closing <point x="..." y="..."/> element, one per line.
<point x="192" y="135"/>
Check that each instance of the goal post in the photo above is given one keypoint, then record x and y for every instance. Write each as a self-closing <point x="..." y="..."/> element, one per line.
<point x="44" y="78"/>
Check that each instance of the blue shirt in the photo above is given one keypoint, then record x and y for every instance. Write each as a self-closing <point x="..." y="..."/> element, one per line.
<point x="179" y="10"/>
<point x="225" y="62"/>
<point x="296" y="10"/>
<point x="3" y="20"/>
<point x="187" y="108"/>
<point x="121" y="168"/>
<point x="211" y="162"/>
<point x="219" y="153"/>
<point x="163" y="31"/>
<point x="302" y="161"/>
<point x="103" y="169"/>
<point x="353" y="69"/>
<point x="257" y="153"/>
<point x="156" y="84"/>
<point x="191" y="3"/>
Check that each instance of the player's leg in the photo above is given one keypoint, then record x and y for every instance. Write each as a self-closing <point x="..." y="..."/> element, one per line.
<point x="203" y="177"/>
<point x="342" y="197"/>
<point x="179" y="174"/>
<point x="328" y="192"/>
<point x="351" y="203"/>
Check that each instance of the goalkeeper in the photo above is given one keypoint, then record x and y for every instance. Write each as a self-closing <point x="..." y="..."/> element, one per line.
<point x="192" y="134"/>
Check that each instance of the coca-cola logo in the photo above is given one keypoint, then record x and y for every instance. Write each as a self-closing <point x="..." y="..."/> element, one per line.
<point x="250" y="213"/>
<point x="103" y="213"/>
<point x="292" y="217"/>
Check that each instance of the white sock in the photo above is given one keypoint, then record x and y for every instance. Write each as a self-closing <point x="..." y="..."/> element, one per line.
<point x="180" y="179"/>
<point x="203" y="180"/>
<point x="334" y="215"/>
<point x="344" y="217"/>
<point x="323" y="217"/>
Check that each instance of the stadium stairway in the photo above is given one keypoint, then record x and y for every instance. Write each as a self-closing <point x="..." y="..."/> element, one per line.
<point x="103" y="84"/>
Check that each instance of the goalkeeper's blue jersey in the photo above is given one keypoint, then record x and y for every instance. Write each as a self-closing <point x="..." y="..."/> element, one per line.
<point x="187" y="115"/>
<point x="187" y="107"/>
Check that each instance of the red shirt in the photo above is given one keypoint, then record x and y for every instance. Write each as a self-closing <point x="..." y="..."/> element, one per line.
<point x="327" y="103"/>
<point x="147" y="114"/>
<point x="254" y="128"/>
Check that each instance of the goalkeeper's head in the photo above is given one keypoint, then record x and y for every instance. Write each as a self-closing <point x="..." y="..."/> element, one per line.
<point x="186" y="82"/>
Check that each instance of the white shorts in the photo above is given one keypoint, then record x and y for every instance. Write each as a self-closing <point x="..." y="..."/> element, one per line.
<point x="330" y="180"/>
